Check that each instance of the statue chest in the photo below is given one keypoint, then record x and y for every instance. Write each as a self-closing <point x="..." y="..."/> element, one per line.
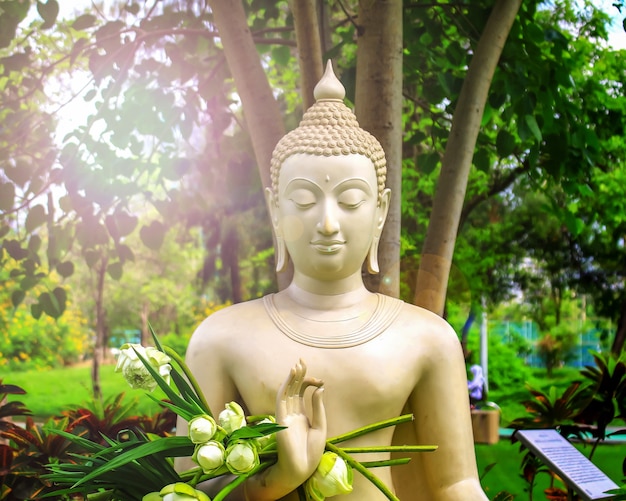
<point x="363" y="384"/>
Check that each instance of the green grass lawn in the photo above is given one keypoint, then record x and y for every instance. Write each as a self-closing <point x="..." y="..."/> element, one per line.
<point x="50" y="392"/>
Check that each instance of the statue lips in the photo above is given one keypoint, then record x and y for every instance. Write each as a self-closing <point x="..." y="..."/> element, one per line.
<point x="328" y="246"/>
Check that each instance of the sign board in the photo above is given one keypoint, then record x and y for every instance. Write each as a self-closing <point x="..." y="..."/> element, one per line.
<point x="578" y="473"/>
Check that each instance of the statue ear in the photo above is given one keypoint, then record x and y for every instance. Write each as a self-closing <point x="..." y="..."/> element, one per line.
<point x="282" y="256"/>
<point x="381" y="217"/>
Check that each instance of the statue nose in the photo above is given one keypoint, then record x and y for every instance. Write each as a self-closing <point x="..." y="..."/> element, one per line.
<point x="329" y="223"/>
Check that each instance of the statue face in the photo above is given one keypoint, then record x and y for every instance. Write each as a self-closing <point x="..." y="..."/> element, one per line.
<point x="328" y="213"/>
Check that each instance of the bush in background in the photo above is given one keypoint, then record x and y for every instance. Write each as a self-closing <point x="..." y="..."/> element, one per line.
<point x="27" y="343"/>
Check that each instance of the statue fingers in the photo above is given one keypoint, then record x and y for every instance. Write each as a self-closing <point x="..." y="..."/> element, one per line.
<point x="318" y="415"/>
<point x="282" y="397"/>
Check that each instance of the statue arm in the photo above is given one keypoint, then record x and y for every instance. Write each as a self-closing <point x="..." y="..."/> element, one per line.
<point x="300" y="445"/>
<point x="204" y="359"/>
<point x="443" y="418"/>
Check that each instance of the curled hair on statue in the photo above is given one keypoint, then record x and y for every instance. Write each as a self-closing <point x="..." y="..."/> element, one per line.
<point x="329" y="128"/>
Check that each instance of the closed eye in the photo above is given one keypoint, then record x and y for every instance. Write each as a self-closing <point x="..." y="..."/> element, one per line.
<point x="352" y="198"/>
<point x="302" y="199"/>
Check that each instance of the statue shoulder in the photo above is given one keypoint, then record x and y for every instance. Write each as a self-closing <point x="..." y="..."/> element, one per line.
<point x="226" y="322"/>
<point x="428" y="324"/>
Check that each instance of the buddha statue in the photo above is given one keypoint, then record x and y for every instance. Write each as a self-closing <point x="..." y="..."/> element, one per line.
<point x="375" y="356"/>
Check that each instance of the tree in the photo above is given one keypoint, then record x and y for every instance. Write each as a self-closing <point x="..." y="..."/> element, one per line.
<point x="432" y="279"/>
<point x="173" y="100"/>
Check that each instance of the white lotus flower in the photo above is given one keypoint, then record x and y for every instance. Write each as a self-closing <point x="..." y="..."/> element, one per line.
<point x="133" y="369"/>
<point x="232" y="417"/>
<point x="241" y="457"/>
<point x="332" y="478"/>
<point x="177" y="492"/>
<point x="209" y="456"/>
<point x="202" y="429"/>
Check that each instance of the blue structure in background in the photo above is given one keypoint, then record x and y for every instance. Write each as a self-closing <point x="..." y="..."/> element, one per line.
<point x="528" y="333"/>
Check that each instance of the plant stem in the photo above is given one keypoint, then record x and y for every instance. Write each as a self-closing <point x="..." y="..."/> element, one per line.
<point x="369" y="428"/>
<point x="386" y="462"/>
<point x="240" y="479"/>
<point x="190" y="377"/>
<point x="390" y="448"/>
<point x="363" y="471"/>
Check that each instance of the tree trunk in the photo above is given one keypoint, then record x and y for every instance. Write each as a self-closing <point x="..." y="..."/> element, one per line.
<point x="98" y="350"/>
<point x="230" y="255"/>
<point x="436" y="258"/>
<point x="145" y="322"/>
<point x="620" y="333"/>
<point x="379" y="111"/>
<point x="309" y="47"/>
<point x="261" y="111"/>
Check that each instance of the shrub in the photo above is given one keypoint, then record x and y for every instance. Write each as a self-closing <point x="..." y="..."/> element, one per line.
<point x="27" y="343"/>
<point x="506" y="367"/>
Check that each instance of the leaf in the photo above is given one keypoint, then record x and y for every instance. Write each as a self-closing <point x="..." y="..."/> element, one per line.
<point x="15" y="250"/>
<point x="535" y="33"/>
<point x="84" y="22"/>
<point x="152" y="236"/>
<point x="7" y="196"/>
<point x="36" y="310"/>
<point x="115" y="270"/>
<point x="255" y="431"/>
<point x="17" y="297"/>
<point x="177" y="446"/>
<point x="427" y="162"/>
<point x="34" y="244"/>
<point x="91" y="93"/>
<point x="505" y="143"/>
<point x="36" y="217"/>
<point x="92" y="256"/>
<point x="125" y="253"/>
<point x="65" y="269"/>
<point x="532" y="124"/>
<point x="49" y="12"/>
<point x="481" y="160"/>
<point x="281" y="55"/>
<point x="53" y="304"/>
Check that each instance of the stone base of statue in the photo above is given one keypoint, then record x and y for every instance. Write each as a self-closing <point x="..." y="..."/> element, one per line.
<point x="486" y="426"/>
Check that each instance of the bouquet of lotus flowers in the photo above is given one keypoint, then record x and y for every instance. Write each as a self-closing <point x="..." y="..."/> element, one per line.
<point x="139" y="466"/>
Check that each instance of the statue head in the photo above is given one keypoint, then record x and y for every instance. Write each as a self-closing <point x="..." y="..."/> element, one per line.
<point x="329" y="130"/>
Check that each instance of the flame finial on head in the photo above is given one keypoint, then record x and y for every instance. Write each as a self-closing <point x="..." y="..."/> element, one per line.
<point x="329" y="87"/>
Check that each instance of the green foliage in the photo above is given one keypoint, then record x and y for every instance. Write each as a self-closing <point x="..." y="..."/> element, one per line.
<point x="550" y="409"/>
<point x="556" y="346"/>
<point x="114" y="417"/>
<point x="28" y="343"/>
<point x="159" y="139"/>
<point x="9" y="410"/>
<point x="507" y="368"/>
<point x="32" y="447"/>
<point x="605" y="395"/>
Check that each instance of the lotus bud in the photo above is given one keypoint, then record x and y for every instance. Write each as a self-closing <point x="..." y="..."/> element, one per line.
<point x="209" y="456"/>
<point x="241" y="457"/>
<point x="232" y="417"/>
<point x="152" y="496"/>
<point x="182" y="492"/>
<point x="267" y="440"/>
<point x="202" y="429"/>
<point x="133" y="369"/>
<point x="332" y="478"/>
